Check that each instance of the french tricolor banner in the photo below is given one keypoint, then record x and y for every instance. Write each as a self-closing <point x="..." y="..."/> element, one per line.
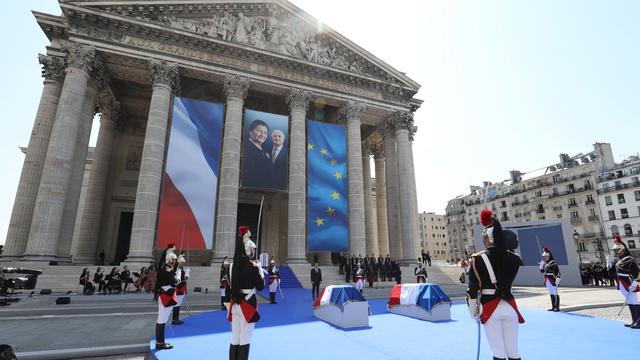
<point x="190" y="180"/>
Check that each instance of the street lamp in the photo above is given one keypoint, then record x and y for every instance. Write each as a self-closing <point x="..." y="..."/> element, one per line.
<point x="576" y="237"/>
<point x="597" y="246"/>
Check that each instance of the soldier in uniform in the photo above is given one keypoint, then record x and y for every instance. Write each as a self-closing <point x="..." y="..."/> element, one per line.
<point x="628" y="280"/>
<point x="225" y="294"/>
<point x="421" y="273"/>
<point x="489" y="294"/>
<point x="359" y="277"/>
<point x="274" y="281"/>
<point x="167" y="297"/>
<point x="549" y="267"/>
<point x="246" y="277"/>
<point x="182" y="275"/>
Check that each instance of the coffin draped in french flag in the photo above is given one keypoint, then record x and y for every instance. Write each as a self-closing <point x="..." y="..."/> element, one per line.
<point x="420" y="301"/>
<point x="343" y="306"/>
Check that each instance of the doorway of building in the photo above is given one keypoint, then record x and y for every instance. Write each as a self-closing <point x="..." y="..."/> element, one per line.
<point x="248" y="215"/>
<point x="124" y="236"/>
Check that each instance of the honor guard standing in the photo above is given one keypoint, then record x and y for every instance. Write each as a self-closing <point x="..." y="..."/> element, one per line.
<point x="489" y="294"/>
<point x="274" y="281"/>
<point x="421" y="273"/>
<point x="359" y="278"/>
<point x="549" y="267"/>
<point x="628" y="280"/>
<point x="246" y="277"/>
<point x="225" y="294"/>
<point x="182" y="274"/>
<point x="167" y="297"/>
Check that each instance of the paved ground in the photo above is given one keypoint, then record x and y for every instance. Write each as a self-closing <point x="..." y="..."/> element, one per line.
<point x="37" y="324"/>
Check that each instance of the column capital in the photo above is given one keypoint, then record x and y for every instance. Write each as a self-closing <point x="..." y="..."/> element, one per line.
<point x="235" y="86"/>
<point x="412" y="133"/>
<point x="81" y="57"/>
<point x="366" y="149"/>
<point x="403" y="120"/>
<point x="298" y="99"/>
<point x="377" y="150"/>
<point x="52" y="67"/>
<point x="164" y="73"/>
<point x="351" y="111"/>
<point x="388" y="127"/>
<point x="108" y="107"/>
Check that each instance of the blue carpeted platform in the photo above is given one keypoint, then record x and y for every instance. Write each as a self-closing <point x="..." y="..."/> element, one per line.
<point x="289" y="330"/>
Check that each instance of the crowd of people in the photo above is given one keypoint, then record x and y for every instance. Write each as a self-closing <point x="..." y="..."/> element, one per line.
<point x="371" y="269"/>
<point x="597" y="274"/>
<point x="118" y="281"/>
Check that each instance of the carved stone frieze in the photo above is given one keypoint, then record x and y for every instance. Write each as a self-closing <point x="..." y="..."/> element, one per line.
<point x="282" y="33"/>
<point x="81" y="56"/>
<point x="164" y="73"/>
<point x="52" y="67"/>
<point x="352" y="110"/>
<point x="235" y="87"/>
<point x="298" y="99"/>
<point x="97" y="33"/>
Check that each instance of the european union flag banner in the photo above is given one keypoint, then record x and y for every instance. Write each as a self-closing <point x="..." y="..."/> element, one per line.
<point x="190" y="180"/>
<point x="327" y="188"/>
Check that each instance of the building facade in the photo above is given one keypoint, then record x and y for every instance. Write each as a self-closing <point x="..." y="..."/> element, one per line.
<point x="619" y="200"/>
<point x="433" y="235"/>
<point x="566" y="189"/>
<point x="127" y="62"/>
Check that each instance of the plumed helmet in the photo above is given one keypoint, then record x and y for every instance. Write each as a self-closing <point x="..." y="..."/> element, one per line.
<point x="486" y="217"/>
<point x="243" y="230"/>
<point x="618" y="243"/>
<point x="170" y="257"/>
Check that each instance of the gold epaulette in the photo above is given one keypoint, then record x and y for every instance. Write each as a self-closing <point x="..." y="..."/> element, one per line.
<point x="478" y="253"/>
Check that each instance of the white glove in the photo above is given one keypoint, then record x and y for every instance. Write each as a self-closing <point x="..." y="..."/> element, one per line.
<point x="474" y="309"/>
<point x="633" y="287"/>
<point x="541" y="263"/>
<point x="558" y="281"/>
<point x="187" y="273"/>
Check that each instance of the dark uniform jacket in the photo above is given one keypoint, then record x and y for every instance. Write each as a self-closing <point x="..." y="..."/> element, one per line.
<point x="627" y="271"/>
<point x="551" y="271"/>
<point x="250" y="278"/>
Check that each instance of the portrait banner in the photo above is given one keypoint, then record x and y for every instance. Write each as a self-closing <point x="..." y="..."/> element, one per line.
<point x="265" y="163"/>
<point x="327" y="188"/>
<point x="190" y="179"/>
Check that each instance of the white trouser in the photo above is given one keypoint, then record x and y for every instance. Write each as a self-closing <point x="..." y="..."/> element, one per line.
<point x="163" y="312"/>
<point x="273" y="287"/>
<point x="359" y="284"/>
<point x="502" y="332"/>
<point x="632" y="298"/>
<point x="180" y="300"/>
<point x="553" y="290"/>
<point x="241" y="330"/>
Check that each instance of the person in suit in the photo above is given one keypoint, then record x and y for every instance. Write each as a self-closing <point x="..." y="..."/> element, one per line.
<point x="279" y="161"/>
<point x="347" y="269"/>
<point x="256" y="164"/>
<point x="316" y="279"/>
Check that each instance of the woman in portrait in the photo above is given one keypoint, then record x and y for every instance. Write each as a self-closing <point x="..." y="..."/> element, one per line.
<point x="256" y="167"/>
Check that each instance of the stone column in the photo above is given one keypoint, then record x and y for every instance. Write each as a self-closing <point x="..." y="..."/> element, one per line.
<point x="23" y="206"/>
<point x="381" y="199"/>
<point x="370" y="228"/>
<point x="94" y="201"/>
<point x="351" y="112"/>
<point x="393" y="200"/>
<point x="52" y="194"/>
<point x="77" y="172"/>
<point x="406" y="189"/>
<point x="235" y="91"/>
<point x="164" y="79"/>
<point x="298" y="101"/>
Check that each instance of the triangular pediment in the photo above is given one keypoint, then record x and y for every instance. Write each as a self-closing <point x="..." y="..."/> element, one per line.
<point x="274" y="26"/>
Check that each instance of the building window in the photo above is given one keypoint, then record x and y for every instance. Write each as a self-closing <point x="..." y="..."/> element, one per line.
<point x="592" y="213"/>
<point x="503" y="203"/>
<point x="540" y="209"/>
<point x="572" y="202"/>
<point x="570" y="189"/>
<point x="607" y="200"/>
<point x="574" y="215"/>
<point x="605" y="187"/>
<point x="627" y="230"/>
<point x="555" y="191"/>
<point x="559" y="216"/>
<point x="556" y="178"/>
<point x="587" y="185"/>
<point x="624" y="213"/>
<point x="590" y="199"/>
<point x="581" y="247"/>
<point x="612" y="215"/>
<point x="632" y="244"/>
<point x="620" y="198"/>
<point x="538" y="193"/>
<point x="637" y="195"/>
<point x="614" y="229"/>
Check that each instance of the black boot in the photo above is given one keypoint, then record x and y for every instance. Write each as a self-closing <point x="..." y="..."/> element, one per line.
<point x="631" y="310"/>
<point x="272" y="298"/>
<point x="176" y="316"/>
<point x="222" y="307"/>
<point x="636" y="323"/>
<point x="496" y="358"/>
<point x="243" y="352"/>
<point x="553" y="303"/>
<point x="557" y="307"/>
<point x="160" y="344"/>
<point x="233" y="352"/>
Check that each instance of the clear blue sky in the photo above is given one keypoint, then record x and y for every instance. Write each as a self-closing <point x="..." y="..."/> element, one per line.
<point x="507" y="84"/>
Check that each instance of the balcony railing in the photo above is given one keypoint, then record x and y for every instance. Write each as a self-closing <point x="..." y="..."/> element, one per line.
<point x="619" y="187"/>
<point x="590" y="202"/>
<point x="576" y="220"/>
<point x="593" y="217"/>
<point x="557" y="208"/>
<point x="572" y="205"/>
<point x="593" y="234"/>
